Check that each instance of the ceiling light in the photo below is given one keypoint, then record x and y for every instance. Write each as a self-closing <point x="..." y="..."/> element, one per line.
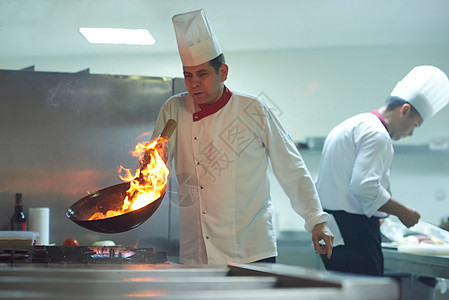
<point x="118" y="36"/>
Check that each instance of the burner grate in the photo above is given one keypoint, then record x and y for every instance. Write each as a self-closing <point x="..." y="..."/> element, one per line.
<point x="83" y="255"/>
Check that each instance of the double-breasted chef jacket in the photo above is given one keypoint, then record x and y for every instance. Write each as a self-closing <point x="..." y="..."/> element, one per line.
<point x="221" y="154"/>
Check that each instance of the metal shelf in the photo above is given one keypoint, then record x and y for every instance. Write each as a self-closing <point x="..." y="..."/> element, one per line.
<point x="399" y="149"/>
<point x="419" y="149"/>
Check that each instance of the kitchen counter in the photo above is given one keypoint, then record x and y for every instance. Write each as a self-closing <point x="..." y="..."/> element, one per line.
<point x="173" y="281"/>
<point x="425" y="265"/>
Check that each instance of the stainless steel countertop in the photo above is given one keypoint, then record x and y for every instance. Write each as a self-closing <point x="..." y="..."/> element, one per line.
<point x="426" y="265"/>
<point x="173" y="281"/>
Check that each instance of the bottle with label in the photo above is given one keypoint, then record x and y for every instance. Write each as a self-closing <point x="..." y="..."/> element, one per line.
<point x="18" y="220"/>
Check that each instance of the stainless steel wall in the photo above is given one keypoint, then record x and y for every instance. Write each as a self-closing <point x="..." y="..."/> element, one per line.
<point x="63" y="135"/>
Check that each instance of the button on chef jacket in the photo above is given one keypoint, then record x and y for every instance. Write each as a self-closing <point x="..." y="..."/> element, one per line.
<point x="220" y="156"/>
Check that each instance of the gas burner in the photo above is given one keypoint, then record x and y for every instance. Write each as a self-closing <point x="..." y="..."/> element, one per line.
<point x="13" y="255"/>
<point x="83" y="255"/>
<point x="147" y="255"/>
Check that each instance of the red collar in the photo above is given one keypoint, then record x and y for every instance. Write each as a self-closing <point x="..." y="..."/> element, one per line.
<point x="210" y="109"/>
<point x="376" y="112"/>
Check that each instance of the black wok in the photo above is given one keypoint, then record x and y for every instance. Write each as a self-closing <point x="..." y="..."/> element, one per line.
<point x="110" y="198"/>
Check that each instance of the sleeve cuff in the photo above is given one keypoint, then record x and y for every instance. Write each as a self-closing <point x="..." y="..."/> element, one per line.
<point x="318" y="219"/>
<point x="381" y="199"/>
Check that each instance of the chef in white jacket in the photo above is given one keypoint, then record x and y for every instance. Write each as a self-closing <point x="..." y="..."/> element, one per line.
<point x="354" y="175"/>
<point x="221" y="150"/>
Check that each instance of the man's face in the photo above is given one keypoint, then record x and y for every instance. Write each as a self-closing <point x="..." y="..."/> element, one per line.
<point x="203" y="83"/>
<point x="406" y="124"/>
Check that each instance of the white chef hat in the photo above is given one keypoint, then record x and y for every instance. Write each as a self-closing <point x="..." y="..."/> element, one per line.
<point x="196" y="41"/>
<point x="426" y="88"/>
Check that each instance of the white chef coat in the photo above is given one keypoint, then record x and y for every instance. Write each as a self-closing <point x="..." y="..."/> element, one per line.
<point x="354" y="172"/>
<point x="221" y="162"/>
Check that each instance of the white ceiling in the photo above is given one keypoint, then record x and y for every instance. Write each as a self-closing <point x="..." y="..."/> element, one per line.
<point x="30" y="28"/>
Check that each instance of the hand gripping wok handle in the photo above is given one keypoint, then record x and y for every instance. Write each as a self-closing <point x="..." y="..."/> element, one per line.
<point x="169" y="128"/>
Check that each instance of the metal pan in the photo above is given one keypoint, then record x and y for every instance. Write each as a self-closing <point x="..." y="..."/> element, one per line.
<point x="110" y="198"/>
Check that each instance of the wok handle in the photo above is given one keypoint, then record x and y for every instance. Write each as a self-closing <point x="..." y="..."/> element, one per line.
<point x="169" y="128"/>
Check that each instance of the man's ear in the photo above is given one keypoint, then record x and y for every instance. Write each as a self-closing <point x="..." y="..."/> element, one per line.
<point x="223" y="72"/>
<point x="405" y="109"/>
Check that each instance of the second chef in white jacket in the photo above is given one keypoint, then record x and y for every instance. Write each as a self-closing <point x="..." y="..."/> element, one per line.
<point x="221" y="150"/>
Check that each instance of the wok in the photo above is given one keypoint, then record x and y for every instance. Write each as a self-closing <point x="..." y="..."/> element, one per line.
<point x="111" y="198"/>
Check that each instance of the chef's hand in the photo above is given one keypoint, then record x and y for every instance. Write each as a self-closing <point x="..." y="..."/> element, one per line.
<point x="409" y="216"/>
<point x="322" y="233"/>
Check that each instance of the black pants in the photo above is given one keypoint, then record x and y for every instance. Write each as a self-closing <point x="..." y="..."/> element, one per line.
<point x="362" y="252"/>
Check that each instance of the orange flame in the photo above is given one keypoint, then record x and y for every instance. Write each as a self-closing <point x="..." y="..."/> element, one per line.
<point x="148" y="183"/>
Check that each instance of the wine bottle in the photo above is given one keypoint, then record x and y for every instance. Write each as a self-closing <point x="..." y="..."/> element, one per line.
<point x="18" y="220"/>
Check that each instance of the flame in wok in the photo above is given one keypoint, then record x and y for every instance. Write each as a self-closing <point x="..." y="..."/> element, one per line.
<point x="148" y="182"/>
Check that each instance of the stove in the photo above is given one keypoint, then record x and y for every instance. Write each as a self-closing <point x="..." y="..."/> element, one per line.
<point x="82" y="255"/>
<point x="116" y="273"/>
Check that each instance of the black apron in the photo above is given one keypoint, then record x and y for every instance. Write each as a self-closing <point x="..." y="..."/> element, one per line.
<point x="362" y="252"/>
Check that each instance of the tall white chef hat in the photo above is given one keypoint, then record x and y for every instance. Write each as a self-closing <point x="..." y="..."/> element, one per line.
<point x="426" y="88"/>
<point x="196" y="41"/>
